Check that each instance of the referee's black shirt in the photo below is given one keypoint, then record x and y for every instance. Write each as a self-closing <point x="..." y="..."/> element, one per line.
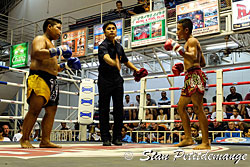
<point x="107" y="47"/>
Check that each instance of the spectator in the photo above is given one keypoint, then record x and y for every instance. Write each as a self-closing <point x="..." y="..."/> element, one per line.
<point x="213" y="116"/>
<point x="195" y="134"/>
<point x="96" y="134"/>
<point x="36" y="132"/>
<point x="191" y="114"/>
<point x="161" y="115"/>
<point x="18" y="135"/>
<point x="119" y="11"/>
<point x="151" y="102"/>
<point x="177" y="127"/>
<point x="6" y="132"/>
<point x="64" y="132"/>
<point x="127" y="113"/>
<point x="236" y="115"/>
<point x="233" y="97"/>
<point x="140" y="8"/>
<point x="247" y="97"/>
<point x="125" y="137"/>
<point x="164" y="100"/>
<point x="77" y="128"/>
<point x="154" y="135"/>
<point x="246" y="132"/>
<point x="216" y="126"/>
<point x="2" y="138"/>
<point x="207" y="113"/>
<point x="64" y="126"/>
<point x="136" y="111"/>
<point x="246" y="113"/>
<point x="231" y="127"/>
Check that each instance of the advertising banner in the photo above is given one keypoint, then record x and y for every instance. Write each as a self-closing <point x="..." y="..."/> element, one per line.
<point x="204" y="15"/>
<point x="77" y="41"/>
<point x="99" y="34"/>
<point x="19" y="55"/>
<point x="240" y="14"/>
<point x="148" y="28"/>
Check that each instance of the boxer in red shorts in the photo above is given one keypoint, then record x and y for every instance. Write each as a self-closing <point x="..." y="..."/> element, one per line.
<point x="194" y="83"/>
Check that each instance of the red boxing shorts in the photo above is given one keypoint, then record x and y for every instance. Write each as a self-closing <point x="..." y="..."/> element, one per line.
<point x="195" y="81"/>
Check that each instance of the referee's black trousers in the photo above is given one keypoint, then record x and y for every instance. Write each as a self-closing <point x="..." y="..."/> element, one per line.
<point x="110" y="88"/>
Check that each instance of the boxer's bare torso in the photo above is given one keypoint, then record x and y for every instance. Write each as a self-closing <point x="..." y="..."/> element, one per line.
<point x="37" y="62"/>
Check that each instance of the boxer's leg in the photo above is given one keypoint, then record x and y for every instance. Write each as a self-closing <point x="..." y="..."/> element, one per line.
<point x="183" y="102"/>
<point x="198" y="109"/>
<point x="35" y="107"/>
<point x="47" y="124"/>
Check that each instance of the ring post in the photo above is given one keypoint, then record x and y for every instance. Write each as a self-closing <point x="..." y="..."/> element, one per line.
<point x="24" y="95"/>
<point x="141" y="115"/>
<point x="219" y="95"/>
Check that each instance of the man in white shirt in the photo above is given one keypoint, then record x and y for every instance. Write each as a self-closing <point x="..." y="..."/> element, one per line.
<point x="236" y="115"/>
<point x="127" y="114"/>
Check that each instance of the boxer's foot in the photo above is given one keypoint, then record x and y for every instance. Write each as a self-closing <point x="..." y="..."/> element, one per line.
<point x="185" y="142"/>
<point x="25" y="143"/>
<point x="49" y="145"/>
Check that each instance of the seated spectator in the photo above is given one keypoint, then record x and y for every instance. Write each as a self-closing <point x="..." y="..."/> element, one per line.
<point x="233" y="97"/>
<point x="216" y="126"/>
<point x="141" y="135"/>
<point x="18" y="135"/>
<point x="247" y="97"/>
<point x="207" y="113"/>
<point x="125" y="137"/>
<point x="119" y="11"/>
<point x="140" y="8"/>
<point x="161" y="115"/>
<point x="191" y="114"/>
<point x="136" y="111"/>
<point x="153" y="136"/>
<point x="95" y="132"/>
<point x="177" y="127"/>
<point x="246" y="113"/>
<point x="6" y="132"/>
<point x="151" y="102"/>
<point x="64" y="133"/>
<point x="213" y="116"/>
<point x="64" y="126"/>
<point x="164" y="100"/>
<point x="246" y="132"/>
<point x="36" y="132"/>
<point x="195" y="134"/>
<point x="148" y="116"/>
<point x="3" y="138"/>
<point x="127" y="113"/>
<point x="231" y="127"/>
<point x="236" y="115"/>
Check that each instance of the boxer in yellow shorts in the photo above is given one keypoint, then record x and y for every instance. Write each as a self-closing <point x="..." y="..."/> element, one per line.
<point x="42" y="85"/>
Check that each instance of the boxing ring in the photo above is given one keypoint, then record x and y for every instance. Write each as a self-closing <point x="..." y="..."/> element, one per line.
<point x="93" y="153"/>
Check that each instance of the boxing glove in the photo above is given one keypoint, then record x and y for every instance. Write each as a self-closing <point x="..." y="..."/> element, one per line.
<point x="140" y="74"/>
<point x="175" y="46"/>
<point x="73" y="63"/>
<point x="177" y="69"/>
<point x="63" y="50"/>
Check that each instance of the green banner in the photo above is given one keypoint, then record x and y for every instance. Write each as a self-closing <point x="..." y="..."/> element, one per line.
<point x="19" y="55"/>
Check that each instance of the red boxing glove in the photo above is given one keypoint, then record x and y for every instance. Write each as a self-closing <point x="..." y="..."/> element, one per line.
<point x="175" y="46"/>
<point x="140" y="74"/>
<point x="178" y="68"/>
